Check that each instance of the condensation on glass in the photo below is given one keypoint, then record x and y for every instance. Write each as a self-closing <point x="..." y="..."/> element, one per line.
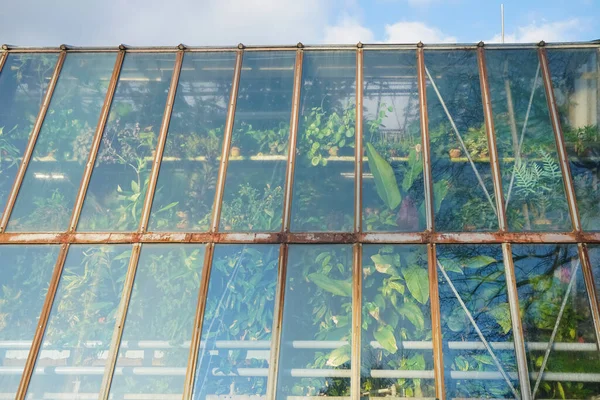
<point x="25" y="273"/>
<point x="393" y="185"/>
<point x="532" y="183"/>
<point x="159" y="321"/>
<point x="479" y="353"/>
<point x="324" y="172"/>
<point x="253" y="197"/>
<point x="562" y="349"/>
<point x="396" y="351"/>
<point x="48" y="191"/>
<point x="575" y="80"/>
<point x="186" y="183"/>
<point x="460" y="162"/>
<point x="236" y="333"/>
<point x="315" y="351"/>
<point x="119" y="180"/>
<point x="23" y="83"/>
<point x="81" y="323"/>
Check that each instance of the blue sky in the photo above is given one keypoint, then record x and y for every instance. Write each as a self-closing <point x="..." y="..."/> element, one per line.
<point x="228" y="22"/>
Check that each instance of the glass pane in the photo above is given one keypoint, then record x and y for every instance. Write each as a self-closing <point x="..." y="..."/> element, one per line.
<point x="396" y="357"/>
<point x="314" y="358"/>
<point x="253" y="199"/>
<point x="553" y="299"/>
<point x="463" y="192"/>
<point x="81" y="323"/>
<point x="392" y="142"/>
<point x="532" y="182"/>
<point x="47" y="195"/>
<point x="475" y="274"/>
<point x="323" y="196"/>
<point x="24" y="277"/>
<point x="159" y="322"/>
<point x="575" y="80"/>
<point x="186" y="184"/>
<point x="23" y="84"/>
<point x="117" y="190"/>
<point x="236" y="333"/>
<point x="594" y="253"/>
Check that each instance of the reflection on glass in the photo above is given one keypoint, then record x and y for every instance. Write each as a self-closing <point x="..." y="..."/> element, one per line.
<point x="323" y="197"/>
<point x="594" y="253"/>
<point x="553" y="300"/>
<point x="531" y="176"/>
<point x="23" y="83"/>
<point x="161" y="312"/>
<point x="396" y="356"/>
<point x="392" y="142"/>
<point x="575" y="81"/>
<point x="475" y="274"/>
<point x="47" y="195"/>
<point x="186" y="184"/>
<point x="253" y="199"/>
<point x="236" y="332"/>
<point x="81" y="323"/>
<point x="119" y="181"/>
<point x="314" y="358"/>
<point x="462" y="191"/>
<point x="25" y="272"/>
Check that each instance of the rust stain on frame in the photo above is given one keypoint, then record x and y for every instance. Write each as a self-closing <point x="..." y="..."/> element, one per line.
<point x="220" y="186"/>
<point x="356" y="322"/>
<point x="436" y="324"/>
<point x="289" y="179"/>
<point x="89" y="166"/>
<point x="358" y="148"/>
<point x="160" y="146"/>
<point x="590" y="285"/>
<point x="14" y="191"/>
<point x="42" y="323"/>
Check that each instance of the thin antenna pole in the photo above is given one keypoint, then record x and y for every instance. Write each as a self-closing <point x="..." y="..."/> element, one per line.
<point x="502" y="18"/>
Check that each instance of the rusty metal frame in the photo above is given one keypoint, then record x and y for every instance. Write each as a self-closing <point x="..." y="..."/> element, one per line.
<point x="356" y="322"/>
<point x="89" y="166"/>
<point x="590" y="285"/>
<point x="436" y="324"/>
<point x="42" y="323"/>
<point x="160" y="146"/>
<point x="293" y="139"/>
<point x="14" y="192"/>
<point x="3" y="58"/>
<point x="560" y="140"/>
<point x="276" y="331"/>
<point x="358" y="147"/>
<point x="220" y="186"/>
<point x="190" y="372"/>
<point x="121" y="316"/>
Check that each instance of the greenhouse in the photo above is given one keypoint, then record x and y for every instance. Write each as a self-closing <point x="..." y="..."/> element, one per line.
<point x="260" y="223"/>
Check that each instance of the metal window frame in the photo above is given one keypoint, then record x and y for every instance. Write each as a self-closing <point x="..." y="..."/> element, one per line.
<point x="284" y="238"/>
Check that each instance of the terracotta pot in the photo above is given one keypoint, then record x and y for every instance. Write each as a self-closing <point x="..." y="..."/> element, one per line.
<point x="333" y="151"/>
<point x="455" y="153"/>
<point x="235" y="151"/>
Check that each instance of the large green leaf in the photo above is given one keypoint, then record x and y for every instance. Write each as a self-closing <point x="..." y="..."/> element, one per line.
<point x="385" y="180"/>
<point x="501" y="313"/>
<point x="339" y="288"/>
<point x="417" y="281"/>
<point x="384" y="264"/>
<point x="479" y="262"/>
<point x="385" y="337"/>
<point x="415" y="168"/>
<point x="339" y="356"/>
<point x="450" y="265"/>
<point x="457" y="321"/>
<point x="413" y="313"/>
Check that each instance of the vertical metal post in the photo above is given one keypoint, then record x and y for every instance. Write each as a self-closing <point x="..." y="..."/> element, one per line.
<point x="3" y="58"/>
<point x="358" y="148"/>
<point x="289" y="179"/>
<point x="42" y="323"/>
<point x="436" y="324"/>
<point x="428" y="181"/>
<point x="14" y="191"/>
<point x="160" y="146"/>
<point x="560" y="141"/>
<point x="517" y="327"/>
<point x="491" y="137"/>
<point x="356" y="321"/>
<point x="220" y="186"/>
<point x="121" y="315"/>
<point x="590" y="285"/>
<point x="190" y="373"/>
<point x="89" y="166"/>
<point x="277" y="323"/>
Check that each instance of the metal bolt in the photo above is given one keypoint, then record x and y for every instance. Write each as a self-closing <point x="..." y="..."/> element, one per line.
<point x="63" y="47"/>
<point x="420" y="44"/>
<point x="300" y="45"/>
<point x="241" y="46"/>
<point x="541" y="43"/>
<point x="182" y="46"/>
<point x="480" y="44"/>
<point x="122" y="47"/>
<point x="4" y="47"/>
<point x="359" y="45"/>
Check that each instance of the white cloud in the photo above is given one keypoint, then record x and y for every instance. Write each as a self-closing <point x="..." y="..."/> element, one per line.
<point x="558" y="31"/>
<point x="413" y="32"/>
<point x="347" y="31"/>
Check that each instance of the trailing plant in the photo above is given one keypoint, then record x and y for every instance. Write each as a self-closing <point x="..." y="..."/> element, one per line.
<point x="272" y="141"/>
<point x="327" y="133"/>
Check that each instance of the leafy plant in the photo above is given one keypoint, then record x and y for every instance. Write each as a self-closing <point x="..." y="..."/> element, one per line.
<point x="253" y="210"/>
<point x="328" y="133"/>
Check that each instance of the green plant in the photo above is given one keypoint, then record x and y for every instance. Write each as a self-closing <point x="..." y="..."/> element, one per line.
<point x="327" y="133"/>
<point x="582" y="140"/>
<point x="266" y="141"/>
<point x="9" y="154"/>
<point x="50" y="212"/>
<point x="476" y="142"/>
<point x="253" y="210"/>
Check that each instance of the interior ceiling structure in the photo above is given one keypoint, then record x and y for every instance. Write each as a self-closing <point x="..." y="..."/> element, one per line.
<point x="290" y="222"/>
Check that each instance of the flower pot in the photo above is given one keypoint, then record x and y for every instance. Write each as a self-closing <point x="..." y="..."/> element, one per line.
<point x="333" y="152"/>
<point x="235" y="151"/>
<point x="455" y="153"/>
